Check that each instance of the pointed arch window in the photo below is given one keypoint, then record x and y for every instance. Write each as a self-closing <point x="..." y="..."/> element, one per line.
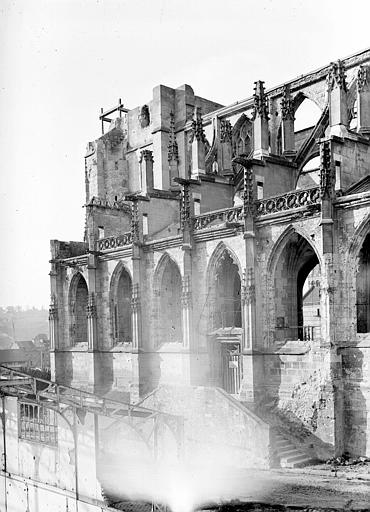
<point x="78" y="305"/>
<point x="121" y="309"/>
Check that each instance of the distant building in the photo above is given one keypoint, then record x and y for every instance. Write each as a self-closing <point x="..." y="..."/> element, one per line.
<point x="27" y="354"/>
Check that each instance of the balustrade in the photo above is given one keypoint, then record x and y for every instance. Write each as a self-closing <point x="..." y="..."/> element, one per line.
<point x="289" y="201"/>
<point x="113" y="242"/>
<point x="225" y="215"/>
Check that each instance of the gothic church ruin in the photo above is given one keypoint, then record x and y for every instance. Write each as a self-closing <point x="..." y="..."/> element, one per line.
<point x="204" y="224"/>
<point x="224" y="274"/>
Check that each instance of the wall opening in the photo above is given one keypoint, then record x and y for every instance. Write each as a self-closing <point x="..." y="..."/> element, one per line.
<point x="225" y="309"/>
<point x="170" y="304"/>
<point x="122" y="327"/>
<point x="309" y="176"/>
<point x="78" y="305"/>
<point x="306" y="116"/>
<point x="296" y="284"/>
<point x="363" y="288"/>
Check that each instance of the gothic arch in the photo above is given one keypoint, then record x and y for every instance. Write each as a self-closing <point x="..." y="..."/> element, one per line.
<point x="358" y="239"/>
<point x="299" y="98"/>
<point x="77" y="304"/>
<point x="214" y="259"/>
<point x="167" y="287"/>
<point x="160" y="268"/>
<point x="357" y="278"/>
<point x="224" y="285"/>
<point x="120" y="294"/>
<point x="242" y="136"/>
<point x="280" y="245"/>
<point x="292" y="265"/>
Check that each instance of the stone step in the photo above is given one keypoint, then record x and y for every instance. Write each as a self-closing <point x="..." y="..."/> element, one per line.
<point x="300" y="459"/>
<point x="280" y="445"/>
<point x="288" y="453"/>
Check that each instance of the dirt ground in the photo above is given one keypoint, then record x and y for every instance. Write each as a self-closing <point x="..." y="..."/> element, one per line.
<point x="314" y="487"/>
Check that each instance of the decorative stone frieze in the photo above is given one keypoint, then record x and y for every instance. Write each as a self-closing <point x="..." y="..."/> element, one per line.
<point x="53" y="308"/>
<point x="260" y="107"/>
<point x="336" y="76"/>
<point x="186" y="292"/>
<point x="114" y="242"/>
<point x="287" y="105"/>
<point x="226" y="131"/>
<point x="363" y="78"/>
<point x="146" y="155"/>
<point x="135" y="298"/>
<point x="248" y="292"/>
<point x="197" y="132"/>
<point x="91" y="306"/>
<point x="326" y="172"/>
<point x="173" y="150"/>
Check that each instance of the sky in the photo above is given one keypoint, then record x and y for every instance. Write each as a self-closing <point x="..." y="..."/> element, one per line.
<point x="62" y="60"/>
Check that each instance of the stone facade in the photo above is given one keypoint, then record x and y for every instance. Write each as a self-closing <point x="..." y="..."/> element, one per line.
<point x="200" y="236"/>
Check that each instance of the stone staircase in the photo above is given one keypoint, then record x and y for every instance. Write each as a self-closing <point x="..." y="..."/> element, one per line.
<point x="287" y="455"/>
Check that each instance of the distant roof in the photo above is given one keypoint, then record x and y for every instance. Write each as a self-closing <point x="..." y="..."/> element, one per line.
<point x="26" y="345"/>
<point x="13" y="355"/>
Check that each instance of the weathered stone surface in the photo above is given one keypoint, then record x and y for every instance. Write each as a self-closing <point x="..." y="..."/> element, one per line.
<point x="241" y="323"/>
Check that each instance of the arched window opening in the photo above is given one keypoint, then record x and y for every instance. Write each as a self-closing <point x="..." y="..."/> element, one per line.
<point x="309" y="176"/>
<point x="226" y="306"/>
<point x="353" y="117"/>
<point x="311" y="310"/>
<point x="296" y="271"/>
<point x="363" y="288"/>
<point x="306" y="116"/>
<point x="122" y="328"/>
<point x="78" y="307"/>
<point x="170" y="304"/>
<point x="242" y="137"/>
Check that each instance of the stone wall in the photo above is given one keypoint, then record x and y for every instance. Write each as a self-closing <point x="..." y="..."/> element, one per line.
<point x="216" y="427"/>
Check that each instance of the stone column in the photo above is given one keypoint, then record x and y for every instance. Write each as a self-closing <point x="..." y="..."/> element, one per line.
<point x="260" y="122"/>
<point x="250" y="291"/>
<point x="287" y="124"/>
<point x="250" y="249"/>
<point x="91" y="313"/>
<point x="328" y="301"/>
<point x="327" y="193"/>
<point x="226" y="146"/>
<point x="53" y="323"/>
<point x="135" y="316"/>
<point x="91" y="322"/>
<point x="136" y="234"/>
<point x="173" y="153"/>
<point x="187" y="213"/>
<point x="363" y="100"/>
<point x="186" y="308"/>
<point x="337" y="95"/>
<point x="197" y="140"/>
<point x="146" y="171"/>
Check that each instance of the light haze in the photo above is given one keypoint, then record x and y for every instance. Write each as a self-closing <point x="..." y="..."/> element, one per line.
<point x="61" y="60"/>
